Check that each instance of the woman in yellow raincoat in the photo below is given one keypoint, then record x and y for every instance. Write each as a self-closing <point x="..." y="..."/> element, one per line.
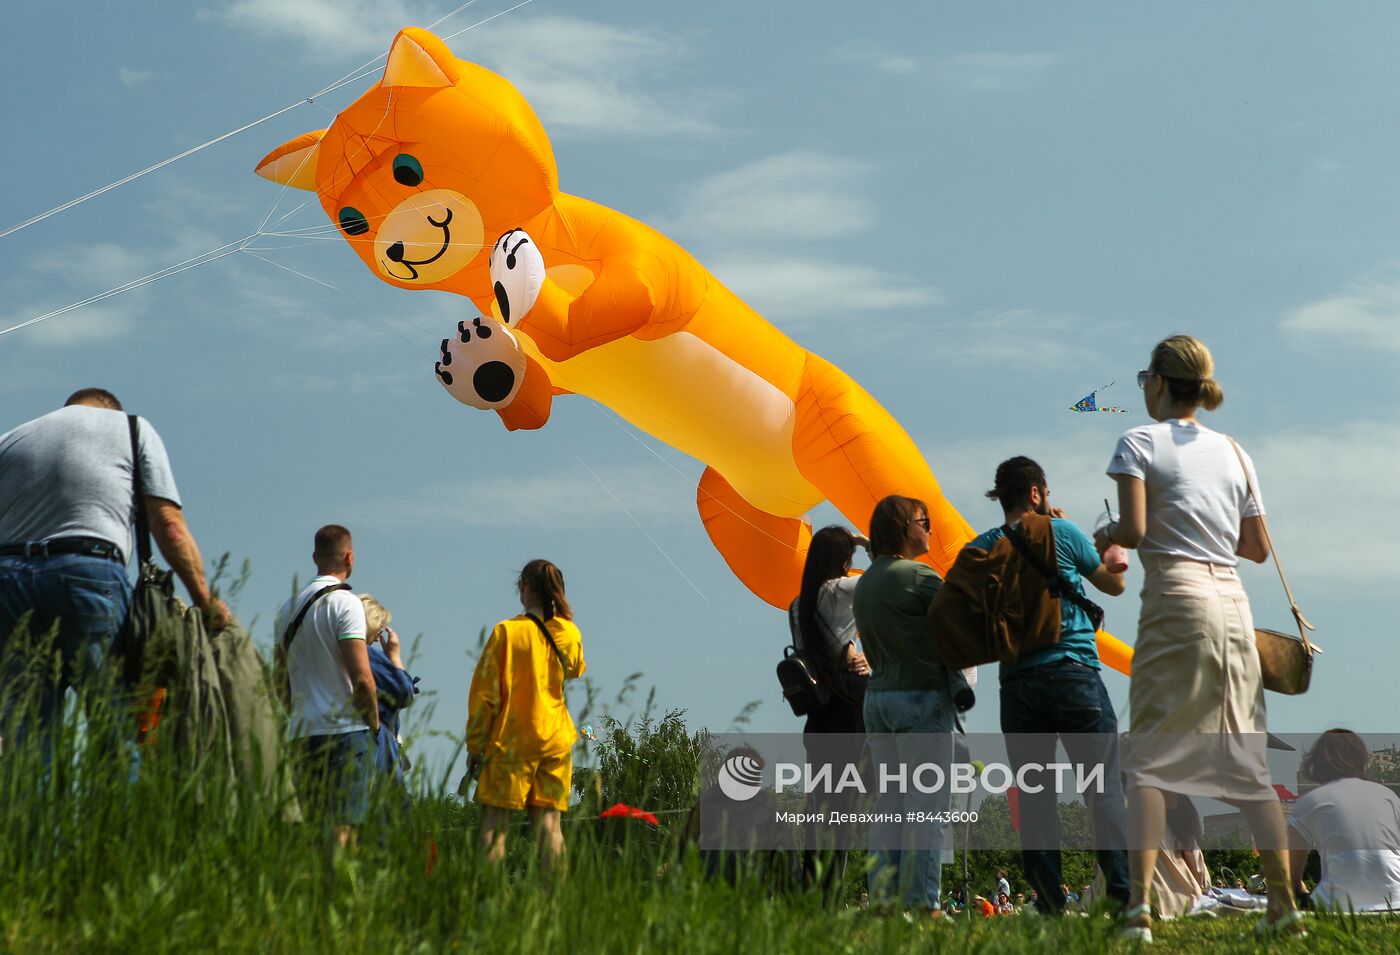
<point x="520" y="737"/>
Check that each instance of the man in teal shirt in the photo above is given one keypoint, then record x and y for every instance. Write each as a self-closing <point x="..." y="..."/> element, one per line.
<point x="1057" y="692"/>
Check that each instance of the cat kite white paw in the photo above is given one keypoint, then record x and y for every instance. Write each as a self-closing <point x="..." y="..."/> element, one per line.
<point x="517" y="272"/>
<point x="483" y="366"/>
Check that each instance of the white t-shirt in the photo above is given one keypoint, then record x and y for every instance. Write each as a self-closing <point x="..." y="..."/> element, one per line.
<point x="1354" y="824"/>
<point x="322" y="695"/>
<point x="834" y="607"/>
<point x="1196" y="490"/>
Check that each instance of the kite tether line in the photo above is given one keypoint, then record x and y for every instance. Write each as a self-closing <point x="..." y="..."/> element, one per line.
<point x="350" y="77"/>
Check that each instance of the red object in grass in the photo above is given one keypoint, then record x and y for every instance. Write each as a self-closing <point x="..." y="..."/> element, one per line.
<point x="1283" y="794"/>
<point x="623" y="811"/>
<point x="432" y="855"/>
<point x="1013" y="804"/>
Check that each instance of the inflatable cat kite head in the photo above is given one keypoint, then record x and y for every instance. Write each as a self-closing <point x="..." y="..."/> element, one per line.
<point x="427" y="168"/>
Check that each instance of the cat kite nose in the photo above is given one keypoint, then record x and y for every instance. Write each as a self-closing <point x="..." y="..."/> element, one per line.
<point x="395" y="252"/>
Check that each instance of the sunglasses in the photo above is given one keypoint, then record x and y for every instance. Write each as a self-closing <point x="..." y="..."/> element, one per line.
<point x="1142" y="378"/>
<point x="921" y="521"/>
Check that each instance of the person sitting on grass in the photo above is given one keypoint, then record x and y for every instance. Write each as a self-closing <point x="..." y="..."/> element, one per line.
<point x="520" y="737"/>
<point x="1353" y="823"/>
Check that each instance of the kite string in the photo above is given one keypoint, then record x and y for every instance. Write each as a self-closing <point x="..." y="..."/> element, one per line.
<point x="228" y="248"/>
<point x="652" y="451"/>
<point x="644" y="531"/>
<point x="204" y="258"/>
<point x="493" y="16"/>
<point x="350" y="77"/>
<point x="417" y="349"/>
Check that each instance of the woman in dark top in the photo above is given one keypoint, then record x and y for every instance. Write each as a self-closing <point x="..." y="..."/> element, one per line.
<point x="823" y="623"/>
<point x="824" y="627"/>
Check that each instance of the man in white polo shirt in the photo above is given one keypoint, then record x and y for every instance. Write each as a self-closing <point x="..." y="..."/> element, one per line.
<point x="328" y="687"/>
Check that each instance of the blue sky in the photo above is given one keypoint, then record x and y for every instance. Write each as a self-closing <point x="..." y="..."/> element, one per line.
<point x="979" y="211"/>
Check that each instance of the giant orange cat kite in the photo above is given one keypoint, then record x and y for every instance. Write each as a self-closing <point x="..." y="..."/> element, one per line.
<point x="443" y="160"/>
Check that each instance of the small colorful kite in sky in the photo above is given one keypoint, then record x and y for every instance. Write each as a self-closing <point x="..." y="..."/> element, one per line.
<point x="1088" y="403"/>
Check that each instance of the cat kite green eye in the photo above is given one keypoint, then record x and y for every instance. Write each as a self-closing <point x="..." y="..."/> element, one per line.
<point x="407" y="170"/>
<point x="353" y="221"/>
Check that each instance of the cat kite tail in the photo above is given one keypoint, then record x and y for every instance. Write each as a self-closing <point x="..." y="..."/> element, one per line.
<point x="442" y="177"/>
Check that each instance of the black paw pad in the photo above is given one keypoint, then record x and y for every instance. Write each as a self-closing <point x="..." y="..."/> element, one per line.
<point x="446" y="376"/>
<point x="493" y="381"/>
<point x="482" y="331"/>
<point x="503" y="303"/>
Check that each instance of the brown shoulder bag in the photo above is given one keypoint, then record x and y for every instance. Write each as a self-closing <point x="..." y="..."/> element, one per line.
<point x="1285" y="661"/>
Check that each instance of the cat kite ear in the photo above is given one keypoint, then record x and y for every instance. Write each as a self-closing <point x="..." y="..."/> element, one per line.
<point x="418" y="59"/>
<point x="294" y="163"/>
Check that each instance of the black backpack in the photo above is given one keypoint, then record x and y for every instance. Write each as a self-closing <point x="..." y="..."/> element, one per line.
<point x="802" y="685"/>
<point x="801" y="688"/>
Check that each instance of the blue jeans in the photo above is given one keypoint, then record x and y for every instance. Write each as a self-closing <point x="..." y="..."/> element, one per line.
<point x="1065" y="700"/>
<point x="87" y="598"/>
<point x="907" y="728"/>
<point x="334" y="773"/>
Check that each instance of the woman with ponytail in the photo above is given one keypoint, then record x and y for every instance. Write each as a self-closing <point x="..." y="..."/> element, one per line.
<point x="1196" y="698"/>
<point x="520" y="737"/>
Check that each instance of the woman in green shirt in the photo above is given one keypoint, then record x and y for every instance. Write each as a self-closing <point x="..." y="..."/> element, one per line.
<point x="909" y="713"/>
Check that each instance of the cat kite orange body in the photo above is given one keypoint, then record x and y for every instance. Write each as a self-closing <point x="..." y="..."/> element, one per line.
<point x="442" y="177"/>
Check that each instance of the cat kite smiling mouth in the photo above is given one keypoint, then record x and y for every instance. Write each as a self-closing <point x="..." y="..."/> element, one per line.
<point x="585" y="300"/>
<point x="395" y="252"/>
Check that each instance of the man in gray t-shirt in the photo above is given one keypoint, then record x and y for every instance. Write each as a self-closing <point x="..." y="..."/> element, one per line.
<point x="67" y="504"/>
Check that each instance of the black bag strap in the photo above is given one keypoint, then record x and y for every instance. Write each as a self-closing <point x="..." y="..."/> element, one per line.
<point x="301" y="614"/>
<point x="1055" y="583"/>
<point x="552" y="645"/>
<point x="138" y="494"/>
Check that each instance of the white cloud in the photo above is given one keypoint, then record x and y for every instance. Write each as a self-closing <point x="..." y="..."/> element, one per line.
<point x="995" y="72"/>
<point x="1318" y="489"/>
<point x="745" y="221"/>
<point x="579" y="75"/>
<point x="1008" y="334"/>
<point x="879" y="59"/>
<point x="90" y="325"/>
<point x="583" y="75"/>
<point x="795" y="287"/>
<point x="102" y="264"/>
<point x="1324" y="169"/>
<point x="1367" y="316"/>
<point x="330" y="29"/>
<point x="791" y="196"/>
<point x="131" y="79"/>
<point x="571" y="499"/>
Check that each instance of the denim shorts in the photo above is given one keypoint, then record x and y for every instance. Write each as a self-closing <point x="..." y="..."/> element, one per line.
<point x="334" y="774"/>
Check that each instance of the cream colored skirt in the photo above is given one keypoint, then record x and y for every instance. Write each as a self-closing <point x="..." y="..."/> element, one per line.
<point x="1196" y="702"/>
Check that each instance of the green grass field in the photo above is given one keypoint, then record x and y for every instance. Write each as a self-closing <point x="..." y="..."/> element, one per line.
<point x="184" y="859"/>
<point x="176" y="863"/>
